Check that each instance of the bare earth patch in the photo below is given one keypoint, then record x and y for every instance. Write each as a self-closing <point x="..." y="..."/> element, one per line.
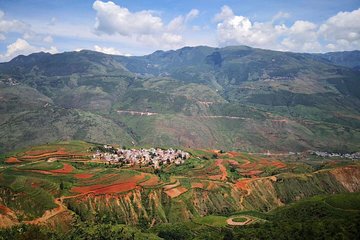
<point x="175" y="192"/>
<point x="83" y="175"/>
<point x="12" y="160"/>
<point x="197" y="185"/>
<point x="67" y="168"/>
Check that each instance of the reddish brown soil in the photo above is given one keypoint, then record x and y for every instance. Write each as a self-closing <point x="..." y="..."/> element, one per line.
<point x="4" y="209"/>
<point x="243" y="184"/>
<point x="12" y="160"/>
<point x="197" y="185"/>
<point x="35" y="185"/>
<point x="233" y="154"/>
<point x="83" y="175"/>
<point x="127" y="185"/>
<point x="212" y="186"/>
<point x="222" y="168"/>
<point x="153" y="181"/>
<point x="101" y="189"/>
<point x="67" y="168"/>
<point x="170" y="186"/>
<point x="105" y="178"/>
<point x="233" y="162"/>
<point x="277" y="164"/>
<point x="215" y="177"/>
<point x="174" y="192"/>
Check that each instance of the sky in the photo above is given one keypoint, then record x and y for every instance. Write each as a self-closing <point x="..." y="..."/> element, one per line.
<point x="139" y="27"/>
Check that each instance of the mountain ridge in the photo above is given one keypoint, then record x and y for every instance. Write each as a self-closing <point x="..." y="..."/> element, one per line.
<point x="274" y="100"/>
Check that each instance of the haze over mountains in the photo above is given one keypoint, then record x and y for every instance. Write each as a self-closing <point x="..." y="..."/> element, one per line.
<point x="230" y="98"/>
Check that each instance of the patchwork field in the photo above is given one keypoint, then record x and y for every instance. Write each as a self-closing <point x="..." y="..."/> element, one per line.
<point x="57" y="182"/>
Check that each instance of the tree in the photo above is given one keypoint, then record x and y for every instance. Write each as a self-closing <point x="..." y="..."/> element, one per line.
<point x="62" y="185"/>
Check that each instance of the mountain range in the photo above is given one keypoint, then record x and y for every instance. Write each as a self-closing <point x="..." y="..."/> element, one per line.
<point x="237" y="98"/>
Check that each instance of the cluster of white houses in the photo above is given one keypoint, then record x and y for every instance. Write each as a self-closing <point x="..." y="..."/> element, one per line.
<point x="355" y="155"/>
<point x="153" y="157"/>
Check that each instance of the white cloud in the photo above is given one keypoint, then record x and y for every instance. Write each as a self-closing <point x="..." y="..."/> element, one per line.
<point x="22" y="47"/>
<point x="179" y="22"/>
<point x="176" y="24"/>
<point x="234" y="29"/>
<point x="11" y="25"/>
<point x="108" y="50"/>
<point x="144" y="27"/>
<point x="226" y="13"/>
<point x="112" y="19"/>
<point x="24" y="33"/>
<point x="340" y="32"/>
<point x="191" y="15"/>
<point x="302" y="36"/>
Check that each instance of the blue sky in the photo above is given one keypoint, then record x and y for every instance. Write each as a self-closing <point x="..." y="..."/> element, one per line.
<point x="137" y="27"/>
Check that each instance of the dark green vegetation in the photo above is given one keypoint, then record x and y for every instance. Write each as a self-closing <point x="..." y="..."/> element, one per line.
<point x="55" y="191"/>
<point x="227" y="98"/>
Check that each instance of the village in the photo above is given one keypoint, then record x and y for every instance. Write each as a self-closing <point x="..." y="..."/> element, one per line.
<point x="142" y="157"/>
<point x="355" y="155"/>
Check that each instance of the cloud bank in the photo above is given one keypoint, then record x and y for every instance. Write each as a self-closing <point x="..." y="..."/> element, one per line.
<point x="144" y="26"/>
<point x="339" y="32"/>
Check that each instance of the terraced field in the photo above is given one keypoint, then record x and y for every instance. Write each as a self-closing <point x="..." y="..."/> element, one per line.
<point x="209" y="188"/>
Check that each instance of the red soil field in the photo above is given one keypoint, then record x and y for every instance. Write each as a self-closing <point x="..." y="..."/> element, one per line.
<point x="153" y="181"/>
<point x="12" y="160"/>
<point x="174" y="192"/>
<point x="233" y="162"/>
<point x="4" y="209"/>
<point x="219" y="163"/>
<point x="215" y="177"/>
<point x="212" y="186"/>
<point x="118" y="187"/>
<point x="104" y="178"/>
<point x="83" y="175"/>
<point x="43" y="154"/>
<point x="197" y="185"/>
<point x="170" y="186"/>
<point x="276" y="164"/>
<point x="243" y="184"/>
<point x="103" y="189"/>
<point x="66" y="169"/>
<point x="233" y="154"/>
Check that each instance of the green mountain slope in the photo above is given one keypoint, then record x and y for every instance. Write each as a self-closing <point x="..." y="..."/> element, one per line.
<point x="231" y="98"/>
